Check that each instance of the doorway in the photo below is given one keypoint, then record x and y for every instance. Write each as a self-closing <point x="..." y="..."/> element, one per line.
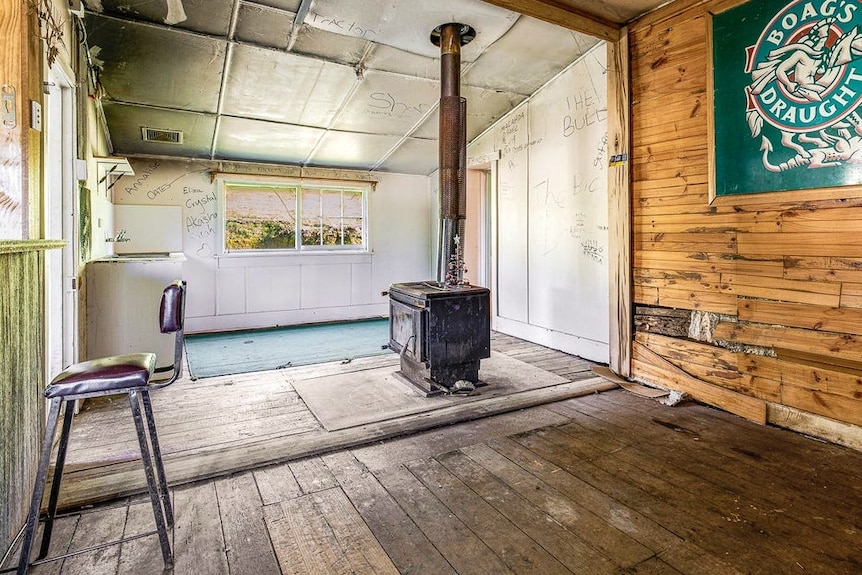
<point x="61" y="266"/>
<point x="476" y="228"/>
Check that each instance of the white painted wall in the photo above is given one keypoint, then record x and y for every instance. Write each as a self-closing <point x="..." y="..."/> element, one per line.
<point x="549" y="213"/>
<point x="238" y="291"/>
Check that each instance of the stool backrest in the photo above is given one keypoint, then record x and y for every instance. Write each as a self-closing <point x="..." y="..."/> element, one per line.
<point x="172" y="308"/>
<point x="172" y="313"/>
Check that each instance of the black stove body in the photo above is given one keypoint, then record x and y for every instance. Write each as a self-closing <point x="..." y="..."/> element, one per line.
<point x="441" y="333"/>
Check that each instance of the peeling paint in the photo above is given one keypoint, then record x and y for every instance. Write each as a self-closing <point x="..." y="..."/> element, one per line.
<point x="176" y="12"/>
<point x="95" y="6"/>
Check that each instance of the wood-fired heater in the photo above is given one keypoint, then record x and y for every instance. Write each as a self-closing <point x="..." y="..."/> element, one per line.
<point x="442" y="328"/>
<point x="441" y="332"/>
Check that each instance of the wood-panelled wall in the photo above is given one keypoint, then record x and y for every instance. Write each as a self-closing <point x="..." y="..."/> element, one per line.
<point x="769" y="272"/>
<point x="21" y="385"/>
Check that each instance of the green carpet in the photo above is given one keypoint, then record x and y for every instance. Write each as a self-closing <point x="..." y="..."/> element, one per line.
<point x="233" y="352"/>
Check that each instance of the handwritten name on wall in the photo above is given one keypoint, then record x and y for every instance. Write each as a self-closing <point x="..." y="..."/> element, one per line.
<point x="200" y="216"/>
<point x="385" y="104"/>
<point x="142" y="175"/>
<point x="177" y="183"/>
<point x="583" y="109"/>
<point x="340" y="25"/>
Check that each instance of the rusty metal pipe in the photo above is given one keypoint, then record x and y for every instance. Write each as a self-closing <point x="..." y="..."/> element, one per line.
<point x="452" y="151"/>
<point x="450" y="60"/>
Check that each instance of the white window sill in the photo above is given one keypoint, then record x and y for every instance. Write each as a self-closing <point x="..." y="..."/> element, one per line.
<point x="289" y="258"/>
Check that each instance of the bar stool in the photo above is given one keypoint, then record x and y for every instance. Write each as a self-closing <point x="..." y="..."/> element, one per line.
<point x="132" y="374"/>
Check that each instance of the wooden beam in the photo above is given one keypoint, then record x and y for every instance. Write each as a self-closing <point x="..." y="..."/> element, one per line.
<point x="565" y="16"/>
<point x="619" y="206"/>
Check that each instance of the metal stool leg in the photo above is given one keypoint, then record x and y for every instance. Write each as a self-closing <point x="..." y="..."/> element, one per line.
<point x="48" y="526"/>
<point x="161" y="528"/>
<point x="157" y="456"/>
<point x="39" y="487"/>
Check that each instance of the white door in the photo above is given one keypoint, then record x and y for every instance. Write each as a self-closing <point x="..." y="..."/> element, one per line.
<point x="61" y="266"/>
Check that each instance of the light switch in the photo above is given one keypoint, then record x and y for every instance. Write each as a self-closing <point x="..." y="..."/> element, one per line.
<point x="81" y="170"/>
<point x="35" y="115"/>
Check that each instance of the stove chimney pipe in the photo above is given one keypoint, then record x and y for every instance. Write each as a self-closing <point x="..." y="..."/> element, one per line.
<point x="452" y="151"/>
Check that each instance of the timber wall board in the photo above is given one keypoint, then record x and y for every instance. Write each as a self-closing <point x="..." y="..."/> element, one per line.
<point x="21" y="384"/>
<point x="761" y="272"/>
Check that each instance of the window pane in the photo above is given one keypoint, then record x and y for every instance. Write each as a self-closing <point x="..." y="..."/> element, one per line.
<point x="330" y="215"/>
<point x="352" y="204"/>
<point x="353" y="231"/>
<point x="311" y="220"/>
<point x="260" y="217"/>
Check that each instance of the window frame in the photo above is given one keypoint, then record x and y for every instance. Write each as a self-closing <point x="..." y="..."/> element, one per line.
<point x="299" y="184"/>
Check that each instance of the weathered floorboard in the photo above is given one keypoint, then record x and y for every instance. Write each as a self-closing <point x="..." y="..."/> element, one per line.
<point x="608" y="483"/>
<point x="216" y="426"/>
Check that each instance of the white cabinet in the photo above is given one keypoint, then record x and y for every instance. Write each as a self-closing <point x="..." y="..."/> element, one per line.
<point x="123" y="296"/>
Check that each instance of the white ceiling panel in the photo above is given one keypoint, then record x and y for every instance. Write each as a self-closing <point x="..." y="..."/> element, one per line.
<point x="329" y="46"/>
<point x="413" y="156"/>
<point x="388" y="59"/>
<point x="408" y="25"/>
<point x="127" y="120"/>
<point x="528" y="56"/>
<point x="284" y="87"/>
<point x="352" y="150"/>
<point x="340" y="83"/>
<point x="430" y="128"/>
<point x="134" y="69"/>
<point x="388" y="104"/>
<point x="254" y="140"/>
<point x="484" y="107"/>
<point x="204" y="16"/>
<point x="289" y="5"/>
<point x="264" y="26"/>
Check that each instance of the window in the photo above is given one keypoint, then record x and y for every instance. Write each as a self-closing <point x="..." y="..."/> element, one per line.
<point x="294" y="216"/>
<point x="332" y="217"/>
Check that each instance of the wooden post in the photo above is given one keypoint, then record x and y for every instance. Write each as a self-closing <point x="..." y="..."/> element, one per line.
<point x="619" y="206"/>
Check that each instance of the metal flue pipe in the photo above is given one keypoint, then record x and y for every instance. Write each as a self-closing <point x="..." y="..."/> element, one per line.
<point x="452" y="151"/>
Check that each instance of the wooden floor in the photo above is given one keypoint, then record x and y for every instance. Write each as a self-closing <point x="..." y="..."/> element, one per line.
<point x="606" y="483"/>
<point x="213" y="426"/>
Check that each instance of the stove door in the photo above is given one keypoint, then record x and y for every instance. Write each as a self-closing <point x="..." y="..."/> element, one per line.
<point x="406" y="330"/>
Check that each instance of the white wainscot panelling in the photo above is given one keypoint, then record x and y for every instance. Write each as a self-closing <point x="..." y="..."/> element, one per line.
<point x="273" y="289"/>
<point x="580" y="346"/>
<point x="360" y="284"/>
<point x="326" y="286"/>
<point x="200" y="297"/>
<point x="230" y="291"/>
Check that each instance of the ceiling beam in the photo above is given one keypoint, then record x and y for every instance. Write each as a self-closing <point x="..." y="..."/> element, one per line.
<point x="561" y="15"/>
<point x="301" y="13"/>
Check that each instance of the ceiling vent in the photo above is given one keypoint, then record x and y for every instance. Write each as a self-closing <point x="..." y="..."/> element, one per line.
<point x="162" y="136"/>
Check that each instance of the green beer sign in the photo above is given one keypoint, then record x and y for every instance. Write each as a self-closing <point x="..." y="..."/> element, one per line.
<point x="787" y="82"/>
